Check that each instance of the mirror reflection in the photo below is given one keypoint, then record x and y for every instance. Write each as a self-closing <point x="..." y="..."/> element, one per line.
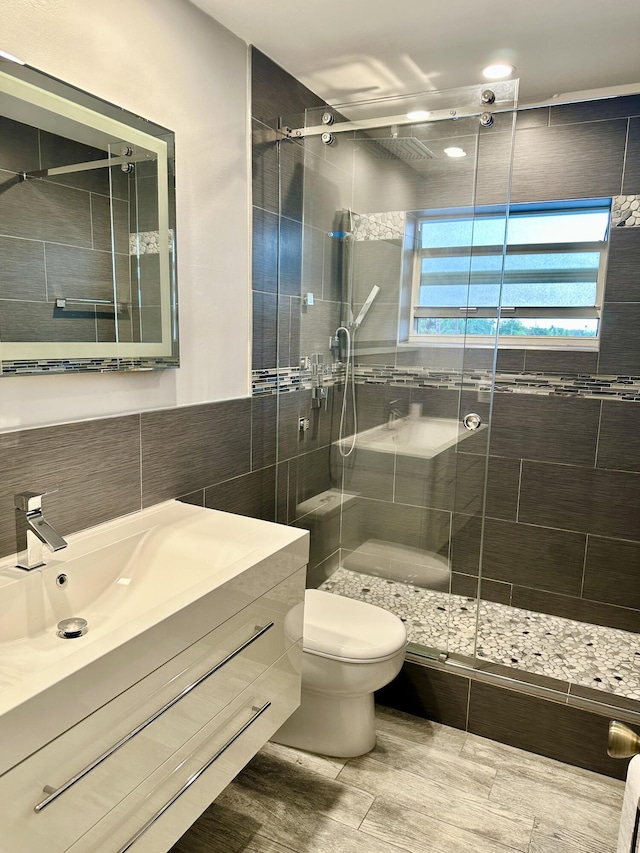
<point x="87" y="280"/>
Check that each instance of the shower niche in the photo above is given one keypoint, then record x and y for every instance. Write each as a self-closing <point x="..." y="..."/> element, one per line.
<point x="87" y="229"/>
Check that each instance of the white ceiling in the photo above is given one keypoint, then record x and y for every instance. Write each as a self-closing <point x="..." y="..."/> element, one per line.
<point x="349" y="50"/>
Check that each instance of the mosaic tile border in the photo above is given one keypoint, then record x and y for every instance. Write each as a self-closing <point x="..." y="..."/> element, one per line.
<point x="604" y="659"/>
<point x="565" y="385"/>
<point x="86" y="365"/>
<point x="285" y="379"/>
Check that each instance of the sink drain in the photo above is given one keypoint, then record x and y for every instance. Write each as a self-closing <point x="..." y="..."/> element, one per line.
<point x="69" y="629"/>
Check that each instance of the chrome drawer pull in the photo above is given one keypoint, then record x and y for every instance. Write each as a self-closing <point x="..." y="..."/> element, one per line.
<point x="54" y="793"/>
<point x="195" y="777"/>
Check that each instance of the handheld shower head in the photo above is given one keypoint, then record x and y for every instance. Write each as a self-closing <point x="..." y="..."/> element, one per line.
<point x="368" y="303"/>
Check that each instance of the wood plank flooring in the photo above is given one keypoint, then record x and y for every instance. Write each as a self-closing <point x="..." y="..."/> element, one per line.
<point x="425" y="788"/>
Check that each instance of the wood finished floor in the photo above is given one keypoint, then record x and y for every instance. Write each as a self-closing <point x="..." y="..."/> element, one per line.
<point x="425" y="788"/>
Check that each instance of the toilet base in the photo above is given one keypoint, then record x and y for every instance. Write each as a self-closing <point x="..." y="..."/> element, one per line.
<point x="340" y="726"/>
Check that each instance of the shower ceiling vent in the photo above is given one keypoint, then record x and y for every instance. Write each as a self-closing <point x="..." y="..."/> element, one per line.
<point x="400" y="148"/>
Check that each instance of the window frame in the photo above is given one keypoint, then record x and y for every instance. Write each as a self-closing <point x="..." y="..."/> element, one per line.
<point x="504" y="312"/>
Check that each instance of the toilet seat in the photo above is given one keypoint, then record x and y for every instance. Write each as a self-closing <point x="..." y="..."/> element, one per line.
<point x="348" y="630"/>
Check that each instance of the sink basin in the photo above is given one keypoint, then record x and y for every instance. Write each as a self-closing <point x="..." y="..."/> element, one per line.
<point x="146" y="584"/>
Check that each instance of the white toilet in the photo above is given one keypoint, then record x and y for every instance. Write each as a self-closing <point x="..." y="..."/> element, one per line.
<point x="350" y="649"/>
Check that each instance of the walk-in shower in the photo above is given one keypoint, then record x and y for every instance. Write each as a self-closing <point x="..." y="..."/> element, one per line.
<point x="497" y="545"/>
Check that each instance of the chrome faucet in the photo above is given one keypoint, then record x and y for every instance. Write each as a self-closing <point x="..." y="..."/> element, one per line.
<point x="32" y="530"/>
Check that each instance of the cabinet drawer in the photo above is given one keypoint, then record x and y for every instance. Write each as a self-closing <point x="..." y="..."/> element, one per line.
<point x="193" y="777"/>
<point x="148" y="723"/>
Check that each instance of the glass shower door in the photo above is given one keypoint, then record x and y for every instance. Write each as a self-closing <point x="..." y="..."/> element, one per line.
<point x="398" y="323"/>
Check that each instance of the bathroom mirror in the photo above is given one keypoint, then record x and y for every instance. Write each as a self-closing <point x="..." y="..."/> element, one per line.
<point x="87" y="232"/>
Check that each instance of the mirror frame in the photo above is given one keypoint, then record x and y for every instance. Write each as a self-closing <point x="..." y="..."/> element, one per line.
<point x="32" y="97"/>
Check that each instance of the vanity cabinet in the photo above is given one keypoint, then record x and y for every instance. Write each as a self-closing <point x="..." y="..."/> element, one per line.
<point x="138" y="771"/>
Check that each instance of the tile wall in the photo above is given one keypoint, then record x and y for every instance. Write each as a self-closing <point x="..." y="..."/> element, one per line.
<point x="56" y="240"/>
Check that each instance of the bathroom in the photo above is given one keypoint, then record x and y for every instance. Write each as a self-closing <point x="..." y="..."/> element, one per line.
<point x="115" y="443"/>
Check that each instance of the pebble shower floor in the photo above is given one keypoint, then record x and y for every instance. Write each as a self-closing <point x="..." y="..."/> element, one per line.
<point x="603" y="658"/>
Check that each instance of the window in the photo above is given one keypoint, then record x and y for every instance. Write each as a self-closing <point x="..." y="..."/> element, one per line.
<point x="537" y="275"/>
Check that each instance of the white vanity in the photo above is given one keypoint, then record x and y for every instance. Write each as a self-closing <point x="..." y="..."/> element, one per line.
<point x="118" y="739"/>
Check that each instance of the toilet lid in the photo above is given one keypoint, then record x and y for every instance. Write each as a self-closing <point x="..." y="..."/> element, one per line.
<point x="339" y="627"/>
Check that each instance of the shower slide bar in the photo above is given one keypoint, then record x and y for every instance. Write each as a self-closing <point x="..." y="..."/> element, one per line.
<point x="385" y="121"/>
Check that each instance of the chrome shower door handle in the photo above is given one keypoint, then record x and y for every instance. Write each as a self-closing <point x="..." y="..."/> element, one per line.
<point x="472" y="421"/>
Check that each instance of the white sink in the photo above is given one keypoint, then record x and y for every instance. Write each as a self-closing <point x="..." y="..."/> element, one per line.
<point x="146" y="584"/>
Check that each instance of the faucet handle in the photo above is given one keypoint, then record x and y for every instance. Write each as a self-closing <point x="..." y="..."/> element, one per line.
<point x="30" y="501"/>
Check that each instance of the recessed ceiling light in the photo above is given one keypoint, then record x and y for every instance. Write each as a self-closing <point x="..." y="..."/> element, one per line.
<point x="10" y="57"/>
<point x="454" y="151"/>
<point x="497" y="71"/>
<point x="418" y="115"/>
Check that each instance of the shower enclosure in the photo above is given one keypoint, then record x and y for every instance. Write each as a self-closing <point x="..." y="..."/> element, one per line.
<point x="413" y="338"/>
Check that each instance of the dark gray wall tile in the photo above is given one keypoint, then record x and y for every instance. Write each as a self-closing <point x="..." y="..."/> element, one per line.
<point x="612" y="572"/>
<point x="289" y="410"/>
<point x="376" y="262"/>
<point x="428" y="693"/>
<point x="631" y="184"/>
<point x="265" y="183"/>
<point x="274" y="91"/>
<point x="185" y="449"/>
<point x="95" y="465"/>
<point x="549" y="429"/>
<point x="619" y="341"/>
<point x="579" y="609"/>
<point x="367" y="473"/>
<point x="19" y="149"/>
<point x="598" y="110"/>
<point x="22" y="271"/>
<point x="264" y="412"/>
<point x="405" y="525"/>
<point x="538" y="117"/>
<point x="264" y="330"/>
<point x="101" y="208"/>
<point x="374" y="403"/>
<point x="86" y="273"/>
<point x="195" y="498"/>
<point x="502" y="485"/>
<point x="622" y="266"/>
<point x="318" y="322"/>
<point x="292" y="179"/>
<point x="290" y="248"/>
<point x="432" y="482"/>
<point x="264" y="265"/>
<point x="489" y="590"/>
<point x="313" y="253"/>
<point x="311" y="471"/>
<point x="251" y="494"/>
<point x="327" y="192"/>
<point x="510" y="360"/>
<point x="60" y="151"/>
<point x="619" y="439"/>
<point x="546" y="361"/>
<point x="605" y="503"/>
<point x="546" y="728"/>
<point x="569" y="161"/>
<point x="533" y="556"/>
<point x="38" y="210"/>
<point x="436" y="402"/>
<point x="42" y="321"/>
<point x="321" y="419"/>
